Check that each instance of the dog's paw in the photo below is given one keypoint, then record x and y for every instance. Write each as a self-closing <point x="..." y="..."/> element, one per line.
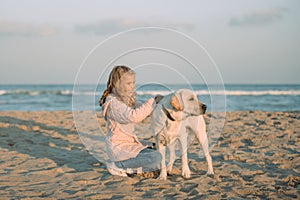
<point x="210" y="173"/>
<point x="170" y="169"/>
<point x="162" y="177"/>
<point x="186" y="173"/>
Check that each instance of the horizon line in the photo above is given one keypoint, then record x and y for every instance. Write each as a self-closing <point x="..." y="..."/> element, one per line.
<point x="159" y="83"/>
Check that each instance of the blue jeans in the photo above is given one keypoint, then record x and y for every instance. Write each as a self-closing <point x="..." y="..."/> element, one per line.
<point x="148" y="159"/>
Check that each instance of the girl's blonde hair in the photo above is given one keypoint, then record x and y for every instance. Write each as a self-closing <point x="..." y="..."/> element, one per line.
<point x="112" y="84"/>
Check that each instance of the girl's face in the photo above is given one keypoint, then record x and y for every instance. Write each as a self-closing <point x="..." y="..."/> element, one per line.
<point x="127" y="84"/>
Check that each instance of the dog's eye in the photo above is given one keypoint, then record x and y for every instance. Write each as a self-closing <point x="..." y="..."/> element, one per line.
<point x="191" y="99"/>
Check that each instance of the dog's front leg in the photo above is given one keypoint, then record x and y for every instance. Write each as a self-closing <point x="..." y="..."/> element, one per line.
<point x="162" y="149"/>
<point x="203" y="140"/>
<point x="172" y="156"/>
<point x="186" y="173"/>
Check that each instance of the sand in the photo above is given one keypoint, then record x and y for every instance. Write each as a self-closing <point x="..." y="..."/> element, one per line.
<point x="257" y="157"/>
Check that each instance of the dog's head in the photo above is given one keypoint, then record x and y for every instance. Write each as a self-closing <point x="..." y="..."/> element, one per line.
<point x="183" y="103"/>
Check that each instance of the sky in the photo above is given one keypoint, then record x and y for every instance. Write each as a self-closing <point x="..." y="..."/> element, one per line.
<point x="49" y="42"/>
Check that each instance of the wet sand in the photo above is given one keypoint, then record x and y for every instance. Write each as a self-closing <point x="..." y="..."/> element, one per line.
<point x="257" y="157"/>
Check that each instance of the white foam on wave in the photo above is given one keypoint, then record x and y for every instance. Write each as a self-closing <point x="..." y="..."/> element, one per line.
<point x="86" y="93"/>
<point x="66" y="92"/>
<point x="256" y="93"/>
<point x="2" y="92"/>
<point x="156" y="92"/>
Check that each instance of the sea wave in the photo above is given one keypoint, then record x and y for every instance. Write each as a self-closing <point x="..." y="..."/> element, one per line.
<point x="2" y="92"/>
<point x="35" y="92"/>
<point x="155" y="92"/>
<point x="230" y="92"/>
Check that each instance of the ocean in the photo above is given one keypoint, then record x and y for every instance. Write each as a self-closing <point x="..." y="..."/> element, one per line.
<point x="238" y="97"/>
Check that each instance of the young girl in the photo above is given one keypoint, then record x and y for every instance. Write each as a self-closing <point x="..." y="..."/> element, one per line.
<point x="122" y="112"/>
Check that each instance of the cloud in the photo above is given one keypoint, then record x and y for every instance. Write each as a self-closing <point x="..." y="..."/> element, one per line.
<point x="16" y="28"/>
<point x="110" y="26"/>
<point x="258" y="18"/>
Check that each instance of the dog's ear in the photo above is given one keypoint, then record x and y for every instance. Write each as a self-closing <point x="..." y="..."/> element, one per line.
<point x="176" y="103"/>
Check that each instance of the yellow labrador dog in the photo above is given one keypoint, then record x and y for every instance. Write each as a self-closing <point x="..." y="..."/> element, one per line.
<point x="175" y="116"/>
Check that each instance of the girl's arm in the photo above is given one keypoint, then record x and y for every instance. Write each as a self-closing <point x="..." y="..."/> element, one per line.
<point x="120" y="112"/>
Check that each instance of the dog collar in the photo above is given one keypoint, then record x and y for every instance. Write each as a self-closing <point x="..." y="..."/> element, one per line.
<point x="167" y="113"/>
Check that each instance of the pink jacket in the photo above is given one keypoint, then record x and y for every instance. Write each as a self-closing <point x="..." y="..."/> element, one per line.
<point x="121" y="141"/>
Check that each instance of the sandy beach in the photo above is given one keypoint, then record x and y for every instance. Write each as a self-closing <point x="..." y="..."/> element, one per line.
<point x="256" y="157"/>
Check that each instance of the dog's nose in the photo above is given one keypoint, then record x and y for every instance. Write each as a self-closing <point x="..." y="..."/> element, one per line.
<point x="204" y="107"/>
